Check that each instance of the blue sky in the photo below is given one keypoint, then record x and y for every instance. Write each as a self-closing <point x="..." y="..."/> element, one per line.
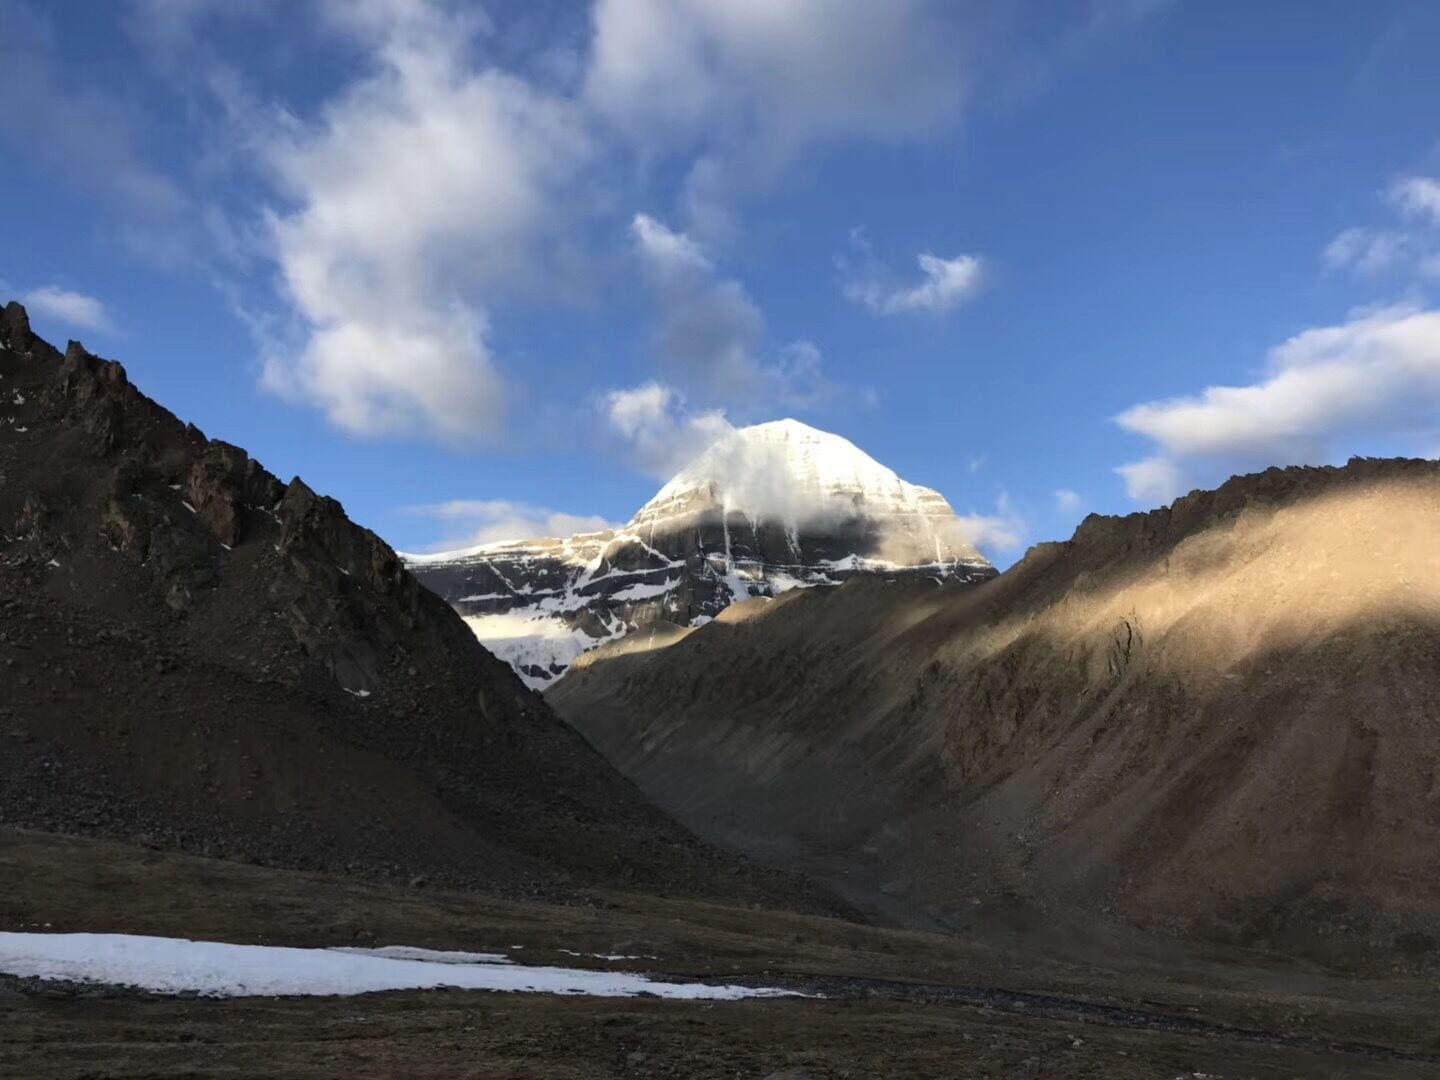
<point x="483" y="271"/>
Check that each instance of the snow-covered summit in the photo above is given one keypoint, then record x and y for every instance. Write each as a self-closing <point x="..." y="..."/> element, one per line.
<point x="763" y="509"/>
<point x="793" y="473"/>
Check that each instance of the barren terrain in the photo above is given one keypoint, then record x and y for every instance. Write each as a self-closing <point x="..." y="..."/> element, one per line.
<point x="896" y="1004"/>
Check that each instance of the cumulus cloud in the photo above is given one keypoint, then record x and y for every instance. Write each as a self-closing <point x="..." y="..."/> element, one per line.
<point x="1069" y="502"/>
<point x="422" y="186"/>
<point x="1377" y="374"/>
<point x="474" y="522"/>
<point x="73" y="308"/>
<point x="710" y="332"/>
<point x="944" y="285"/>
<point x="454" y="169"/>
<point x="660" y="433"/>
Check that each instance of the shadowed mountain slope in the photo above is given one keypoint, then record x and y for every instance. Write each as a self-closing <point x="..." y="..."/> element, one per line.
<point x="199" y="656"/>
<point x="1218" y="719"/>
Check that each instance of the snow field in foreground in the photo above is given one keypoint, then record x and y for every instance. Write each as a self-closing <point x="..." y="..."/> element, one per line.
<point x="216" y="969"/>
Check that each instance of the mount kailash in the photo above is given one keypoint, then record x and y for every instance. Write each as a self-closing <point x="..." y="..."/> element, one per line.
<point x="765" y="509"/>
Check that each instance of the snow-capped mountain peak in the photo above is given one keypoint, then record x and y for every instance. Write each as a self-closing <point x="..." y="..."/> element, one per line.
<point x="785" y="470"/>
<point x="763" y="509"/>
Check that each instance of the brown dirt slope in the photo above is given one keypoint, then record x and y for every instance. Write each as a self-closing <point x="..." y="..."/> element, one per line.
<point x="197" y="655"/>
<point x="1220" y="720"/>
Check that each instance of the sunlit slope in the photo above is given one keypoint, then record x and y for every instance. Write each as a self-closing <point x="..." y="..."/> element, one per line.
<point x="1222" y="719"/>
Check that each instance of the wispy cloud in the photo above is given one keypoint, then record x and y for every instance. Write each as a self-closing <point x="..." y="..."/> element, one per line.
<point x="72" y="308"/>
<point x="1411" y="245"/>
<point x="1378" y="374"/>
<point x="1418" y="197"/>
<point x="1069" y="502"/>
<point x="944" y="284"/>
<point x="1152" y="481"/>
<point x="83" y="137"/>
<point x="997" y="533"/>
<point x="753" y="87"/>
<point x="474" y="522"/>
<point x="710" y="333"/>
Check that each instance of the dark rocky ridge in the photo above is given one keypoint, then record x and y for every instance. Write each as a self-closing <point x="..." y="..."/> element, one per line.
<point x="681" y="569"/>
<point x="1219" y="720"/>
<point x="199" y="656"/>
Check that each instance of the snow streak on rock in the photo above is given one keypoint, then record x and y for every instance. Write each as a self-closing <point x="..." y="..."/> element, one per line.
<point x="766" y="508"/>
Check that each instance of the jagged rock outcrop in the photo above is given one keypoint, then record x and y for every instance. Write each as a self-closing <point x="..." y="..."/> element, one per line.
<point x="199" y="656"/>
<point x="1220" y="719"/>
<point x="765" y="509"/>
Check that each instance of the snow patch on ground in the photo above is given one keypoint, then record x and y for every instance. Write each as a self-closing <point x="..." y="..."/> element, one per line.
<point x="215" y="969"/>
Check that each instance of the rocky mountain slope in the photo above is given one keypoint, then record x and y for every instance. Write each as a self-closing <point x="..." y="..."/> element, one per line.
<point x="199" y="656"/>
<point x="765" y="509"/>
<point x="1220" y="719"/>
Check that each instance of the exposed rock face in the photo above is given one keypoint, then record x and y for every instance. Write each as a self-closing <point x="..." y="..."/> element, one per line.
<point x="764" y="510"/>
<point x="198" y="655"/>
<point x="1220" y="719"/>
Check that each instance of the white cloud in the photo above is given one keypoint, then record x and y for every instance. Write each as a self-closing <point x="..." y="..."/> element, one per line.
<point x="947" y="284"/>
<point x="423" y="187"/>
<point x="1413" y="247"/>
<point x="741" y="89"/>
<point x="660" y="434"/>
<point x="1152" y="481"/>
<point x="472" y="522"/>
<point x="1377" y="374"/>
<point x="446" y="174"/>
<point x="751" y="86"/>
<point x="1367" y="251"/>
<point x="1069" y="502"/>
<point x="73" y="308"/>
<point x="710" y="331"/>
<point x="944" y="285"/>
<point x="672" y="255"/>
<point x="996" y="533"/>
<point x="1418" y="196"/>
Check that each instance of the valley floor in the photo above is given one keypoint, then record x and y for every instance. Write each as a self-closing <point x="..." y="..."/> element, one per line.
<point x="896" y="1004"/>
